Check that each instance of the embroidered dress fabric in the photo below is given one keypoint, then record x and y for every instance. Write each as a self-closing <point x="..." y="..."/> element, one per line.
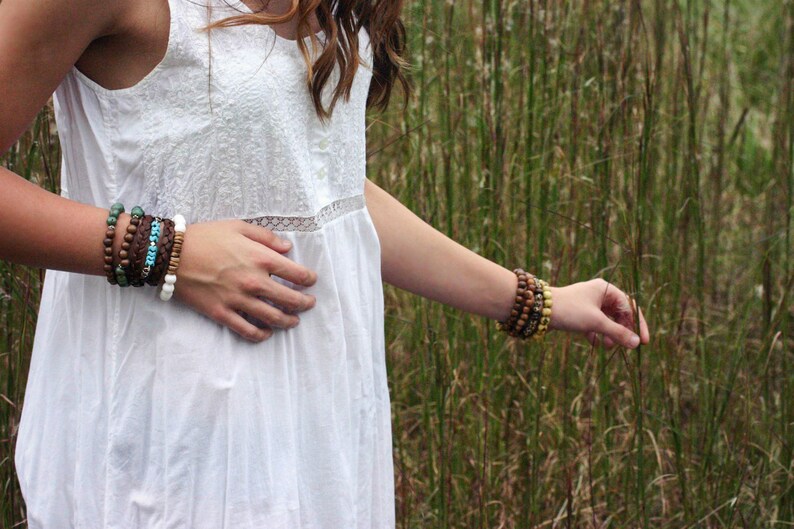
<point x="145" y="414"/>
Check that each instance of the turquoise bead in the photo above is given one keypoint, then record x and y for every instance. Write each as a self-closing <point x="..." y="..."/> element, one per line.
<point x="137" y="211"/>
<point x="112" y="221"/>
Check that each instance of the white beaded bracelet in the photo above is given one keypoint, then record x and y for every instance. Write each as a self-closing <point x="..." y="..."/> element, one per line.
<point x="167" y="289"/>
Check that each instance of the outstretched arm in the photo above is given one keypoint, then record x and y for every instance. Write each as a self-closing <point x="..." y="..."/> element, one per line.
<point x="420" y="259"/>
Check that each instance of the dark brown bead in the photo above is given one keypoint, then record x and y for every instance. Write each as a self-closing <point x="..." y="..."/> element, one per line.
<point x="131" y="228"/>
<point x="108" y="241"/>
<point x="123" y="254"/>
<point x="108" y="268"/>
<point x="110" y="233"/>
<point x="109" y="259"/>
<point x="108" y="251"/>
<point x="128" y="237"/>
<point x="125" y="263"/>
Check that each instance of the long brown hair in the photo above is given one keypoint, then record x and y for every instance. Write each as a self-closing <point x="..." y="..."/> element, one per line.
<point x="344" y="18"/>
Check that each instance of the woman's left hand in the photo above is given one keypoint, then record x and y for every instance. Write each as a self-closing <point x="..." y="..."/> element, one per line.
<point x="595" y="308"/>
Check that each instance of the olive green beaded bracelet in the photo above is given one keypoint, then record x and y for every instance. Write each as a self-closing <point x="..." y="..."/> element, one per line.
<point x="113" y="217"/>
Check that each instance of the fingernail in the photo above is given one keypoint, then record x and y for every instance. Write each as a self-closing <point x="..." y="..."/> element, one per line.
<point x="634" y="341"/>
<point x="286" y="243"/>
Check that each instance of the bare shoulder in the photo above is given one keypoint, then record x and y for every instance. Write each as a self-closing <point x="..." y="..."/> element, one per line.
<point x="40" y="40"/>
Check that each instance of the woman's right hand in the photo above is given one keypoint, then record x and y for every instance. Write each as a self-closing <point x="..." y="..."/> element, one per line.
<point x="225" y="268"/>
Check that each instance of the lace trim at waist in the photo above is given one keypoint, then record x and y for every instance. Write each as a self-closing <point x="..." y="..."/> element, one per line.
<point x="328" y="213"/>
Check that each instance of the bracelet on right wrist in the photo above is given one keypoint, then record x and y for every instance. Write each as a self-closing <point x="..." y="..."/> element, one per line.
<point x="145" y="254"/>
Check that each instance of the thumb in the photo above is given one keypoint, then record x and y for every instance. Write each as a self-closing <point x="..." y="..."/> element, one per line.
<point x="618" y="333"/>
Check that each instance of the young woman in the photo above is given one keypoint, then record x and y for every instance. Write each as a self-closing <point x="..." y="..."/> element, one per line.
<point x="257" y="397"/>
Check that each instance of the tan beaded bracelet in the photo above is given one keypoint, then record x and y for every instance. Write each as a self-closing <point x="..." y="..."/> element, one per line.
<point x="167" y="290"/>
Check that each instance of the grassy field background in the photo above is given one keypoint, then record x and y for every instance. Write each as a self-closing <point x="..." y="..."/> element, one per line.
<point x="650" y="143"/>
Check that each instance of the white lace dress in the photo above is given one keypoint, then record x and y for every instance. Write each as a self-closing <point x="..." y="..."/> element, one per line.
<point x="145" y="414"/>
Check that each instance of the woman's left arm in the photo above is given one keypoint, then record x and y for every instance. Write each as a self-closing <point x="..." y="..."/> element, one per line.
<point x="420" y="259"/>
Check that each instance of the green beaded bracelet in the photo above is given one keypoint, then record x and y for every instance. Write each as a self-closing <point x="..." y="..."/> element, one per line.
<point x="113" y="217"/>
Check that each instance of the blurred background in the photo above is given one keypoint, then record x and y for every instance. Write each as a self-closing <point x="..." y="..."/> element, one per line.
<point x="648" y="142"/>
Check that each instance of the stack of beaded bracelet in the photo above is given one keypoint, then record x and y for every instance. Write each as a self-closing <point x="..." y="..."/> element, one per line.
<point x="531" y="312"/>
<point x="167" y="289"/>
<point x="145" y="252"/>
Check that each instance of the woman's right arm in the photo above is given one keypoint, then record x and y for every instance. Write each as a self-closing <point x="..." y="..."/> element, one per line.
<point x="40" y="40"/>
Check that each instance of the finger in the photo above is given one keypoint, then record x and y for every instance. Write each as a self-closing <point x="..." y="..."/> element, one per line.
<point x="636" y="313"/>
<point x="592" y="338"/>
<point x="617" y="333"/>
<point x="288" y="269"/>
<point x="288" y="298"/>
<point x="264" y="236"/>
<point x="608" y="342"/>
<point x="645" y="334"/>
<point x="266" y="313"/>
<point x="285" y="297"/>
<point x="241" y="326"/>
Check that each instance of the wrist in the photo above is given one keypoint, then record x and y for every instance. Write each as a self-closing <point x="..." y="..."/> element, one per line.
<point x="503" y="295"/>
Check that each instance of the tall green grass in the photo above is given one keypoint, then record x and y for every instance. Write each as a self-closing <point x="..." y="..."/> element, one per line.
<point x="647" y="142"/>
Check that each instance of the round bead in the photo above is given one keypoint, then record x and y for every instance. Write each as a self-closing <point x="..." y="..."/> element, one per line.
<point x="108" y="251"/>
<point x="108" y="268"/>
<point x="125" y="263"/>
<point x="165" y="296"/>
<point x="544" y="321"/>
<point x="168" y="287"/>
<point x="111" y="221"/>
<point x="547" y="312"/>
<point x="548" y="303"/>
<point x="123" y="254"/>
<point x="170" y="279"/>
<point x="137" y="211"/>
<point x="108" y="259"/>
<point x="108" y="241"/>
<point x="128" y="237"/>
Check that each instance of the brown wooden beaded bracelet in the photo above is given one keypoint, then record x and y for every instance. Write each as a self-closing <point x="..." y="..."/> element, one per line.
<point x="124" y="253"/>
<point x="526" y="307"/>
<point x="519" y="314"/>
<point x="524" y="282"/>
